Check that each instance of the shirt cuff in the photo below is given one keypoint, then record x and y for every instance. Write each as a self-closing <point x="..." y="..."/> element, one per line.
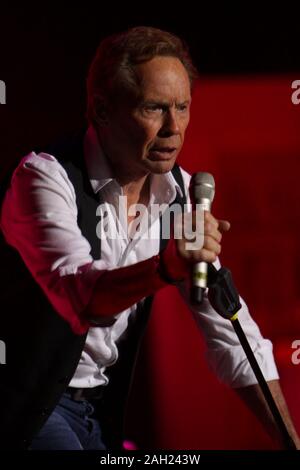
<point x="232" y="366"/>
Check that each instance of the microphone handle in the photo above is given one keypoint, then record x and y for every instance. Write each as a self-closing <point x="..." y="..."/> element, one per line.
<point x="199" y="282"/>
<point x="199" y="270"/>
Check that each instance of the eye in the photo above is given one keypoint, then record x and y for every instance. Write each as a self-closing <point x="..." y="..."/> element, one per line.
<point x="153" y="108"/>
<point x="182" y="107"/>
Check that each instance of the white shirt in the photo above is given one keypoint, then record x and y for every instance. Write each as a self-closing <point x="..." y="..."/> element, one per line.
<point x="39" y="218"/>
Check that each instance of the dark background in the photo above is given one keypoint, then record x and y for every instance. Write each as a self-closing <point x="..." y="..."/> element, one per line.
<point x="244" y="130"/>
<point x="45" y="52"/>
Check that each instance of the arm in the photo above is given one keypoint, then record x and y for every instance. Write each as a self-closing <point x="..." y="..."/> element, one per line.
<point x="254" y="399"/>
<point x="39" y="219"/>
<point x="227" y="358"/>
<point x="118" y="289"/>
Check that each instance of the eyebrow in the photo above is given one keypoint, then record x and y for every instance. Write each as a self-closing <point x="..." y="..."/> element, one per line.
<point x="163" y="104"/>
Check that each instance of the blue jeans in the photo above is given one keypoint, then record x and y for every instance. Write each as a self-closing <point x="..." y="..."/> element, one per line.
<point x="70" y="427"/>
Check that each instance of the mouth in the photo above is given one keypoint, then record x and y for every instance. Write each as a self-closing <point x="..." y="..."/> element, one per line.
<point x="161" y="153"/>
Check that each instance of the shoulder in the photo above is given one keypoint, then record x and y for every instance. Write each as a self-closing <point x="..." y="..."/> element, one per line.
<point x="43" y="162"/>
<point x="38" y="177"/>
<point x="53" y="159"/>
<point x="41" y="167"/>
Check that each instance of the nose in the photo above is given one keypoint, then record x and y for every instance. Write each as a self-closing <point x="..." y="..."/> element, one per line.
<point x="170" y="124"/>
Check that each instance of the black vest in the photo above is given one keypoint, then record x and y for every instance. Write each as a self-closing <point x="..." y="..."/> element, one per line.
<point x="42" y="352"/>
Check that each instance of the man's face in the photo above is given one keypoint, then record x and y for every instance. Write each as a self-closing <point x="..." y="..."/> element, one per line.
<point x="145" y="135"/>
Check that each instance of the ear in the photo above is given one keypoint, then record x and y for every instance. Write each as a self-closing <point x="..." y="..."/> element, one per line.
<point x="100" y="110"/>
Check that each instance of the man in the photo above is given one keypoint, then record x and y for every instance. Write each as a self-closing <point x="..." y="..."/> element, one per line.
<point x="74" y="343"/>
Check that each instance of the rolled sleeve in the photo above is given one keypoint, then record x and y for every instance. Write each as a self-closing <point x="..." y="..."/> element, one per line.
<point x="224" y="352"/>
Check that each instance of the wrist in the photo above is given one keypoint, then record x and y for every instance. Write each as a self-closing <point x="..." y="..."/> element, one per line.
<point x="172" y="267"/>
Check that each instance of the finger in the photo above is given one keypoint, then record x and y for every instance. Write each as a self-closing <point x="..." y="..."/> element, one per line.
<point x="205" y="255"/>
<point x="213" y="232"/>
<point x="224" y="225"/>
<point x="208" y="217"/>
<point x="208" y="253"/>
<point x="212" y="245"/>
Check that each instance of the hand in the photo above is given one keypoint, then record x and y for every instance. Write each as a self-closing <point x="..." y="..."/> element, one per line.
<point x="211" y="248"/>
<point x="176" y="259"/>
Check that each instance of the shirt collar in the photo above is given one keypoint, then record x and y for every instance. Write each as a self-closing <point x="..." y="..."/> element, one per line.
<point x="163" y="187"/>
<point x="99" y="170"/>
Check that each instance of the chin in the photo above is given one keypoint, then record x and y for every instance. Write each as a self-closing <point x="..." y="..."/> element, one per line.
<point x="161" y="167"/>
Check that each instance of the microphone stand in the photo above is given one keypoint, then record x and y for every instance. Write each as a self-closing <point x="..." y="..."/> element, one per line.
<point x="225" y="300"/>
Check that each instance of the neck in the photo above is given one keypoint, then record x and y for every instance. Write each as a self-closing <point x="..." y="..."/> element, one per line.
<point x="133" y="187"/>
<point x="137" y="191"/>
<point x="133" y="184"/>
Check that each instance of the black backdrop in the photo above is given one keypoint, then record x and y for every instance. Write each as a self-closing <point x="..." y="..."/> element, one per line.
<point x="45" y="51"/>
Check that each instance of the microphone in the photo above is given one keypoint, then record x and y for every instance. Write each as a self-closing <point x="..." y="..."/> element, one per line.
<point x="202" y="191"/>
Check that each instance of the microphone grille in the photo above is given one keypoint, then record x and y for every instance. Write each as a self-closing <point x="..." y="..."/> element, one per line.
<point x="204" y="186"/>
